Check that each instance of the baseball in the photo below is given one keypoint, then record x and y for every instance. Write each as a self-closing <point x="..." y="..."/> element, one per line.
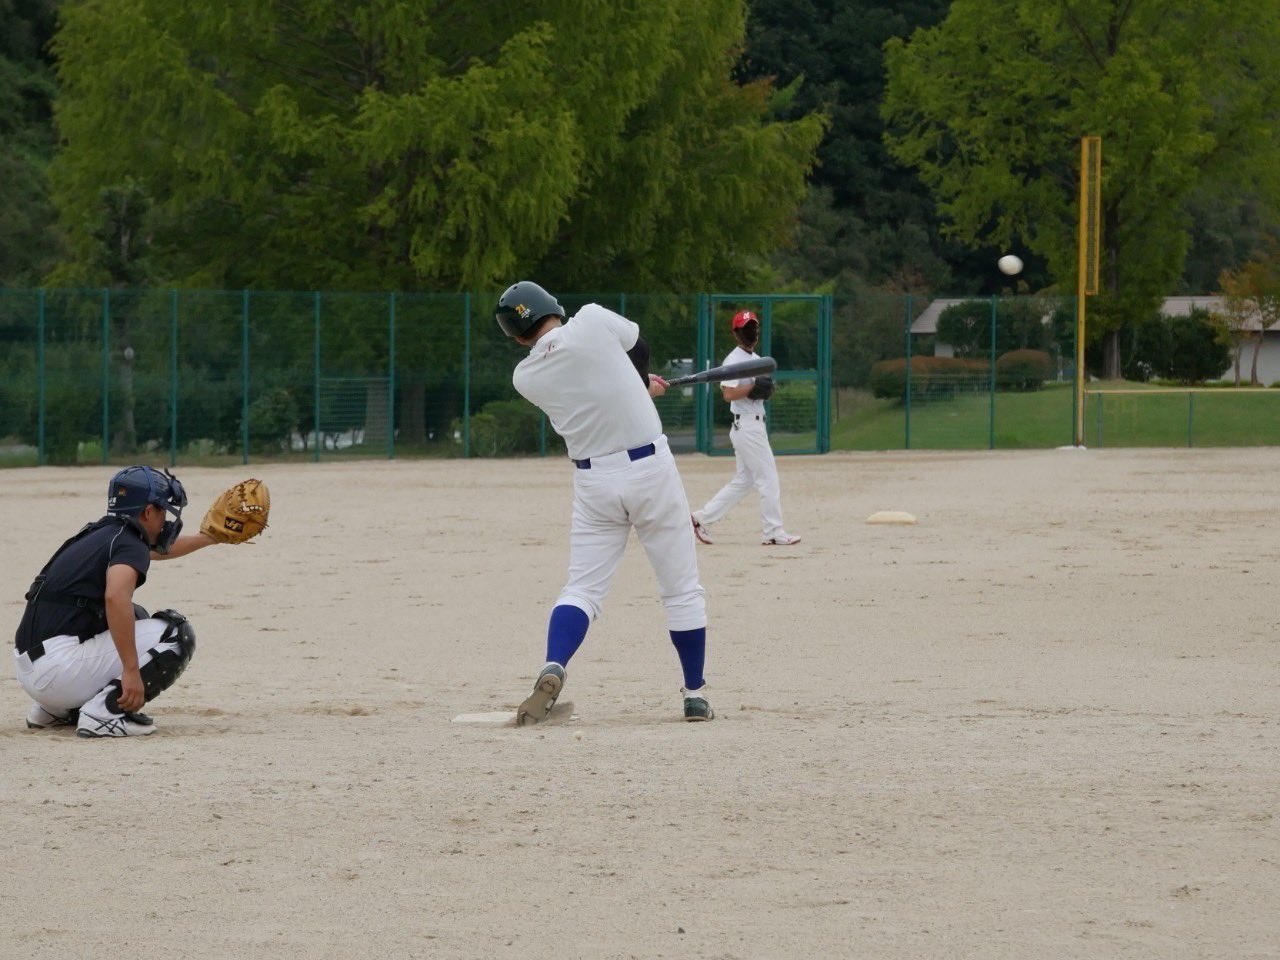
<point x="1010" y="265"/>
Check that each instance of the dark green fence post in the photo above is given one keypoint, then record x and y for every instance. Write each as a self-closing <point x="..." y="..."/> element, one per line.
<point x="907" y="395"/>
<point x="1191" y="417"/>
<point x="391" y="379"/>
<point x="824" y="374"/>
<point x="701" y="407"/>
<point x="244" y="376"/>
<point x="40" y="377"/>
<point x="315" y="360"/>
<point x="106" y="373"/>
<point x="173" y="377"/>
<point x="991" y="416"/>
<point x="466" y="380"/>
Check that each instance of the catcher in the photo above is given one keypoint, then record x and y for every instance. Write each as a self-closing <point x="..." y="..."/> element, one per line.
<point x="84" y="651"/>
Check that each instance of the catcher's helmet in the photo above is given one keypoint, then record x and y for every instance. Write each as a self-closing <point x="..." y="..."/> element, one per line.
<point x="522" y="306"/>
<point x="133" y="488"/>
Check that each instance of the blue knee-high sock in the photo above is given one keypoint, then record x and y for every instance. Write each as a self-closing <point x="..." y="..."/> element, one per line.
<point x="691" y="645"/>
<point x="565" y="632"/>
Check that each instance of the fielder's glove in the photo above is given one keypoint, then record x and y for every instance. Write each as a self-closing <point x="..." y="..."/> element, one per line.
<point x="762" y="389"/>
<point x="239" y="513"/>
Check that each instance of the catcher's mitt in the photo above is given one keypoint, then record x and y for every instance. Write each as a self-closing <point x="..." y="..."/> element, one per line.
<point x="239" y="513"/>
<point x="762" y="389"/>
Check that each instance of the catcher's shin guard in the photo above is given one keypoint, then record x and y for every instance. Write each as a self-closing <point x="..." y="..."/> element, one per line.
<point x="170" y="656"/>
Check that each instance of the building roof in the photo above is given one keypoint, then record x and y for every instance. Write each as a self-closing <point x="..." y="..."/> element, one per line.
<point x="927" y="322"/>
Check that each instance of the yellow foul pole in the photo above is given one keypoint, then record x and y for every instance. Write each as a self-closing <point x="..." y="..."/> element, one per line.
<point x="1088" y="255"/>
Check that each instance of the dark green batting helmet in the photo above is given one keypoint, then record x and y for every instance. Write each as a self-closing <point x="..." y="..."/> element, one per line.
<point x="522" y="306"/>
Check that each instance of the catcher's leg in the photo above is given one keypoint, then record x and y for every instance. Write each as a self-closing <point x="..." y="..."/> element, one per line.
<point x="160" y="664"/>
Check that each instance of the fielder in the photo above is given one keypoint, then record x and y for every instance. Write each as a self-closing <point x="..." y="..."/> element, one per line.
<point x="751" y="451"/>
<point x="590" y="375"/>
<point x="84" y="652"/>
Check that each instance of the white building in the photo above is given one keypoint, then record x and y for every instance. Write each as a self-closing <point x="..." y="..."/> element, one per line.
<point x="926" y="324"/>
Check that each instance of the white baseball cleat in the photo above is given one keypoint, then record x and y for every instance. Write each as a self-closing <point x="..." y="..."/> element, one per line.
<point x="699" y="530"/>
<point x="39" y="717"/>
<point x="115" y="725"/>
<point x="538" y="704"/>
<point x="780" y="540"/>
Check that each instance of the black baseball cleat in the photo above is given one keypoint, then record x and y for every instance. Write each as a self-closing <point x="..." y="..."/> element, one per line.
<point x="539" y="703"/>
<point x="697" y="706"/>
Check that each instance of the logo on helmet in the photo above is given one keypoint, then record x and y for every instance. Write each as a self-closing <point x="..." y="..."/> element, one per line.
<point x="523" y="311"/>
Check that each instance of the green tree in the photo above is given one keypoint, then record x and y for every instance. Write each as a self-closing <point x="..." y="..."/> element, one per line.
<point x="426" y="144"/>
<point x="989" y="106"/>
<point x="28" y="245"/>
<point x="868" y="219"/>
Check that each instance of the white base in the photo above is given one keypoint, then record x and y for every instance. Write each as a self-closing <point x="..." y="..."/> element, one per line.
<point x="891" y="516"/>
<point x="507" y="718"/>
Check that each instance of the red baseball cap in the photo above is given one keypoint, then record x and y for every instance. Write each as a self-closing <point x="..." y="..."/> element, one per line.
<point x="743" y="317"/>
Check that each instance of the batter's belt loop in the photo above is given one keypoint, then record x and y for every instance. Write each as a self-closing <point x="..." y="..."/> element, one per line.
<point x="635" y="453"/>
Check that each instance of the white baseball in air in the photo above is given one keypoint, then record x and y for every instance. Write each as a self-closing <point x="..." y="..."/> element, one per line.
<point x="1010" y="265"/>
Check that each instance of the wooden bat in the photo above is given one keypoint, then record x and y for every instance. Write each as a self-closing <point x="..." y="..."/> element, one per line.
<point x="755" y="367"/>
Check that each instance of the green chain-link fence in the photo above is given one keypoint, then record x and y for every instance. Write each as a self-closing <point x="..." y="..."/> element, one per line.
<point x="105" y="376"/>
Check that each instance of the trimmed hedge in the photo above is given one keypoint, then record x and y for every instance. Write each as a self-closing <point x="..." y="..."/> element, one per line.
<point x="932" y="378"/>
<point x="1023" y="369"/>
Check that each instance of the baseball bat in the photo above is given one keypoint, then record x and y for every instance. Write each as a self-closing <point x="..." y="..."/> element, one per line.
<point x="755" y="367"/>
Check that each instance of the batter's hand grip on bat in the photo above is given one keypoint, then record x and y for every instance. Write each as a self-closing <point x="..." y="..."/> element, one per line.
<point x="755" y="367"/>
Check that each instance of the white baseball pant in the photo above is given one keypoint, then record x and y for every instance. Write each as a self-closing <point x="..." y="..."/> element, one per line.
<point x="755" y="469"/>
<point x="71" y="673"/>
<point x="614" y="495"/>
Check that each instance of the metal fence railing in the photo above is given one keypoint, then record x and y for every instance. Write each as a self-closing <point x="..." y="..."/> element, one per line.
<point x="105" y="376"/>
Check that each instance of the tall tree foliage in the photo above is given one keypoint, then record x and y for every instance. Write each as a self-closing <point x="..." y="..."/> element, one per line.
<point x="27" y="242"/>
<point x="989" y="106"/>
<point x="868" y="217"/>
<point x="424" y="143"/>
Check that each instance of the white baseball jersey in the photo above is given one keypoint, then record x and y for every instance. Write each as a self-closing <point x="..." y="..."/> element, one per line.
<point x="745" y="405"/>
<point x="579" y="374"/>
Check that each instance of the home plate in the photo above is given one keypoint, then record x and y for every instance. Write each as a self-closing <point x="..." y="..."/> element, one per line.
<point x="891" y="516"/>
<point x="507" y="718"/>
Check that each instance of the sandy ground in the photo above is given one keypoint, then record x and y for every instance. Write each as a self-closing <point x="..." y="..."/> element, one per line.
<point x="1040" y="723"/>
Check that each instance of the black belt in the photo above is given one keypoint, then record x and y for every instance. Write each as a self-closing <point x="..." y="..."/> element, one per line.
<point x="35" y="651"/>
<point x="635" y="453"/>
<point x="747" y="416"/>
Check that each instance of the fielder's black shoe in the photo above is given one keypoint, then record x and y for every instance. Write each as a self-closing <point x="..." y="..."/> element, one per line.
<point x="696" y="705"/>
<point x="539" y="703"/>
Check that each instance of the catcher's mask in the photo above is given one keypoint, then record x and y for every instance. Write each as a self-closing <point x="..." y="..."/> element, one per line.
<point x="746" y="328"/>
<point x="522" y="306"/>
<point x="133" y="488"/>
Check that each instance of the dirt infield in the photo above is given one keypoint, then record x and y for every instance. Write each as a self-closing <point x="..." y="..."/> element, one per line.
<point x="1042" y="722"/>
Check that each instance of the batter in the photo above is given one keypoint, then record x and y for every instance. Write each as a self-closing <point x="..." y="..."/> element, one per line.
<point x="590" y="376"/>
